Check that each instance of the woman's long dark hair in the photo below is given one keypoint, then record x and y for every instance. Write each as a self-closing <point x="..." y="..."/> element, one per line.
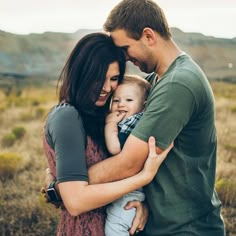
<point x="83" y="77"/>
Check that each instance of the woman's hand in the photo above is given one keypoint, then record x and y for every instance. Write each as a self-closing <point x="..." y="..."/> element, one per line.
<point x="154" y="160"/>
<point x="150" y="169"/>
<point x="140" y="218"/>
<point x="48" y="179"/>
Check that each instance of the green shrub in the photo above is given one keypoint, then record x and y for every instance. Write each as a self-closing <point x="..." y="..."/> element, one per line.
<point x="8" y="90"/>
<point x="10" y="164"/>
<point x="18" y="131"/>
<point x="8" y="140"/>
<point x="233" y="109"/>
<point x="35" y="103"/>
<point x="36" y="113"/>
<point x="2" y="108"/>
<point x="39" y="112"/>
<point x="20" y="101"/>
<point x="26" y="116"/>
<point x="226" y="189"/>
<point x="18" y="92"/>
<point x="25" y="216"/>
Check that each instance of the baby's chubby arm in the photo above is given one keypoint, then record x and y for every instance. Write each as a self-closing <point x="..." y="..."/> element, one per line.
<point x="111" y="132"/>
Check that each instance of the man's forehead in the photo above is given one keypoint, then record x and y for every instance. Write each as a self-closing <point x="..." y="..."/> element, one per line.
<point x="120" y="38"/>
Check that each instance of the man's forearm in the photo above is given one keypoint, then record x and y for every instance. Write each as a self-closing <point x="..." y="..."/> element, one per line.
<point x="111" y="169"/>
<point x="127" y="163"/>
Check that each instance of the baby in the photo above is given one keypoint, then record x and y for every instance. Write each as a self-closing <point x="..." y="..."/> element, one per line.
<point x="126" y="109"/>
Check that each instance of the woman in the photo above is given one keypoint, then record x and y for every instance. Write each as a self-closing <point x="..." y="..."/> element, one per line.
<point x="74" y="135"/>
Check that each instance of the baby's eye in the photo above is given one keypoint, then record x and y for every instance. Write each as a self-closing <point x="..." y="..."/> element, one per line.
<point x="115" y="100"/>
<point x="129" y="100"/>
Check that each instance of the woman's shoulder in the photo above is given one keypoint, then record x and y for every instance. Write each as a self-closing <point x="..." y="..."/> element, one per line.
<point x="63" y="112"/>
<point x="63" y="109"/>
<point x="63" y="123"/>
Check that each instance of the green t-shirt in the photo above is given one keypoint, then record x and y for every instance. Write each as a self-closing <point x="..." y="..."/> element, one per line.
<point x="180" y="108"/>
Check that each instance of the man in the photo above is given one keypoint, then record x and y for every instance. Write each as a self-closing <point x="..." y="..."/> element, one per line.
<point x="180" y="107"/>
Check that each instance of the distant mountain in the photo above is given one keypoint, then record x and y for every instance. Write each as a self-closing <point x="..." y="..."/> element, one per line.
<point x="45" y="54"/>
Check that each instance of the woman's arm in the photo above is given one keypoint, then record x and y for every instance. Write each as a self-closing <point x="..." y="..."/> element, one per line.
<point x="79" y="196"/>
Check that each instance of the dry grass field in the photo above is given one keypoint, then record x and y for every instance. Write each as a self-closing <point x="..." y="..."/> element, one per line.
<point x="22" y="162"/>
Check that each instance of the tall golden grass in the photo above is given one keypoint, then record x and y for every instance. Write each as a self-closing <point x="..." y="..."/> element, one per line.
<point x="22" y="208"/>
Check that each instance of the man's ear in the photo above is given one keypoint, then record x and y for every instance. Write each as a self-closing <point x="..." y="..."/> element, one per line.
<point x="149" y="36"/>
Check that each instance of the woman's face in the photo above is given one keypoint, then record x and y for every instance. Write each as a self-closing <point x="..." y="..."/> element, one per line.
<point x="111" y="83"/>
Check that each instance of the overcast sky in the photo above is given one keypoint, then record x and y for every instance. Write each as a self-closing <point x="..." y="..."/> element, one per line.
<point x="210" y="17"/>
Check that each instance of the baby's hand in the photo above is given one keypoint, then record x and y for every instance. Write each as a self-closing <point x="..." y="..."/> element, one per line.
<point x="114" y="117"/>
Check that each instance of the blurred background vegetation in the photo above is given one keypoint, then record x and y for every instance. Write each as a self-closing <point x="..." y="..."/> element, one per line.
<point x="23" y="108"/>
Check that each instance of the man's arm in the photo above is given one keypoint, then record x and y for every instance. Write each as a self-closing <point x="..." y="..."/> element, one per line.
<point x="127" y="163"/>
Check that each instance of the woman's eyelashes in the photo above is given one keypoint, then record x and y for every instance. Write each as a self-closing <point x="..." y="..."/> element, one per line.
<point x="115" y="78"/>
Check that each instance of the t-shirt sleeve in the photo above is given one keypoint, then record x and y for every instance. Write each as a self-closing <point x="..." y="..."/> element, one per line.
<point x="67" y="136"/>
<point x="168" y="110"/>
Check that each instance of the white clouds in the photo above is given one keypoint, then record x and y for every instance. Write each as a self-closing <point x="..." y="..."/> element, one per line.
<point x="219" y="22"/>
<point x="210" y="17"/>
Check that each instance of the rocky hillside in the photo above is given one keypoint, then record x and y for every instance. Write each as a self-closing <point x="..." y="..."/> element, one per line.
<point x="45" y="54"/>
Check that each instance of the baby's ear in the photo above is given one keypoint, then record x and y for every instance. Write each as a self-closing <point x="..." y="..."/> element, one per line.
<point x="144" y="105"/>
<point x="110" y="104"/>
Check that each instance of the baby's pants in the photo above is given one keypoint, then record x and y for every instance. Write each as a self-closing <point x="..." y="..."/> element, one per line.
<point x="119" y="220"/>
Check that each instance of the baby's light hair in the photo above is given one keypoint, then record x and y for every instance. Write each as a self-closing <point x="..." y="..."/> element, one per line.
<point x="138" y="80"/>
